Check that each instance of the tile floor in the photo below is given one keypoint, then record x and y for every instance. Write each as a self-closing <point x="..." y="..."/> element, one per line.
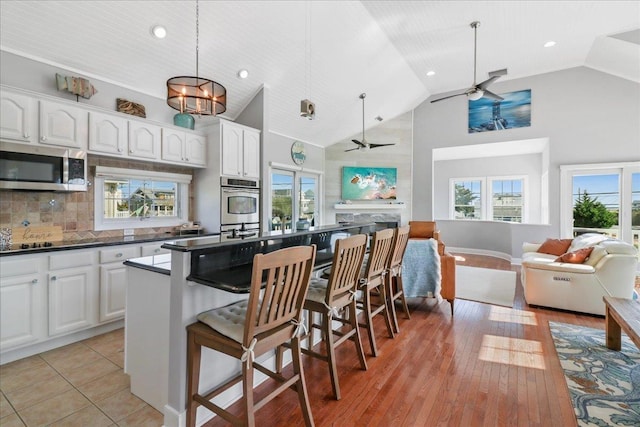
<point x="80" y="385"/>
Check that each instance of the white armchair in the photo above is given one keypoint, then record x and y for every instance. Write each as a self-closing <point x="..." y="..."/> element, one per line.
<point x="609" y="270"/>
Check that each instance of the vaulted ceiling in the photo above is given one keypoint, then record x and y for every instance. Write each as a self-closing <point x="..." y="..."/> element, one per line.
<point x="327" y="51"/>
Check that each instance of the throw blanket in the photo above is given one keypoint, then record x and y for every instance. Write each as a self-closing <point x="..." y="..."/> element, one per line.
<point x="421" y="268"/>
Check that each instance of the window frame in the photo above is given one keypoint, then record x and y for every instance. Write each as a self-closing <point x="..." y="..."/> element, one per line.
<point x="181" y="200"/>
<point x="486" y="196"/>
<point x="525" y="196"/>
<point x="625" y="171"/>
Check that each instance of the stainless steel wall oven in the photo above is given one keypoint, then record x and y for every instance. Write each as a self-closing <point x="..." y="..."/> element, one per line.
<point x="240" y="207"/>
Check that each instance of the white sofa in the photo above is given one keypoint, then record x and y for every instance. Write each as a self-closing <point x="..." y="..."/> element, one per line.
<point x="610" y="269"/>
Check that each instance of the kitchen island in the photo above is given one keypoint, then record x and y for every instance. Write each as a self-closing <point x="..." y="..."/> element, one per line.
<point x="165" y="294"/>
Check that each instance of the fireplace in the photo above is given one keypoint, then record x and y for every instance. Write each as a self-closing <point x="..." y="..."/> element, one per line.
<point x="381" y="220"/>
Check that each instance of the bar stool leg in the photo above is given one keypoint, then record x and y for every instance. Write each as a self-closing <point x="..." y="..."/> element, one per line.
<point x="247" y="389"/>
<point x="353" y="321"/>
<point x="301" y="385"/>
<point x="194" y="352"/>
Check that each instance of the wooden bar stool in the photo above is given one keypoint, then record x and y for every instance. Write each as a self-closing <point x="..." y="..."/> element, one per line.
<point x="373" y="298"/>
<point x="250" y="328"/>
<point x="395" y="291"/>
<point x="331" y="297"/>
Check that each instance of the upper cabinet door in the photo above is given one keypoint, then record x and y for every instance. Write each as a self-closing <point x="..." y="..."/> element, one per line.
<point x="107" y="133"/>
<point x="195" y="150"/>
<point x="173" y="145"/>
<point x="251" y="154"/>
<point x="17" y="117"/>
<point x="62" y="124"/>
<point x="231" y="150"/>
<point x="144" y="140"/>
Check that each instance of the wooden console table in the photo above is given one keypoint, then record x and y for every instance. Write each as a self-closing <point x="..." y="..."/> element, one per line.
<point x="621" y="315"/>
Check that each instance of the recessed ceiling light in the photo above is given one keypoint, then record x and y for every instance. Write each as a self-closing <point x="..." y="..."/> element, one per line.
<point x="431" y="73"/>
<point x="159" y="31"/>
<point x="550" y="43"/>
<point x="243" y="74"/>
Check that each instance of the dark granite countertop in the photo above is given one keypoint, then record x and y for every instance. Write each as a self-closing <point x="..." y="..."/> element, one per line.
<point x="66" y="245"/>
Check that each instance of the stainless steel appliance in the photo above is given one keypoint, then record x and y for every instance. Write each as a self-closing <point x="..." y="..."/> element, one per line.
<point x="26" y="167"/>
<point x="240" y="208"/>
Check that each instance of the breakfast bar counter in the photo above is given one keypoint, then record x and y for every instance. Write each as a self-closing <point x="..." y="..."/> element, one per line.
<point x="167" y="292"/>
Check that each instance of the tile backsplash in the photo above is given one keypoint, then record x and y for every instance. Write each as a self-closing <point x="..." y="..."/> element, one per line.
<point x="74" y="211"/>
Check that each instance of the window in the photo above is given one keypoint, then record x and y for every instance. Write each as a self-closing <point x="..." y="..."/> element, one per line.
<point x="293" y="196"/>
<point x="126" y="198"/>
<point x="507" y="200"/>
<point x="503" y="199"/>
<point x="468" y="199"/>
<point x="602" y="198"/>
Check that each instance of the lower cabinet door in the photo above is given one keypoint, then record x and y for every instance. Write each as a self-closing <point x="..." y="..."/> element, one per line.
<point x="70" y="298"/>
<point x="113" y="289"/>
<point x="21" y="318"/>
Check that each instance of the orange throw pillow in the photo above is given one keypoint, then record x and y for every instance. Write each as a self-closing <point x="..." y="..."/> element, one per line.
<point x="555" y="246"/>
<point x="576" y="257"/>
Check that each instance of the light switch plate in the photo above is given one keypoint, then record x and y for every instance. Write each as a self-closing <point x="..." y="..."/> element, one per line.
<point x="128" y="231"/>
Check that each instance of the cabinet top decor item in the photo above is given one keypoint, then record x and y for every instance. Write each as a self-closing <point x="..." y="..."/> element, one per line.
<point x="132" y="108"/>
<point x="76" y="85"/>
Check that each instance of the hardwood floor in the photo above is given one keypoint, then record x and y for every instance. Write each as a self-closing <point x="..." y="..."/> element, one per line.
<point x="486" y="366"/>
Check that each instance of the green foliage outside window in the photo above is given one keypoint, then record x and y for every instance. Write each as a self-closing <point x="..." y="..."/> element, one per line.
<point x="588" y="212"/>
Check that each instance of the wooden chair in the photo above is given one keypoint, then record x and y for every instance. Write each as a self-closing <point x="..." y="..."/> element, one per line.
<point x="250" y="328"/>
<point x="373" y="299"/>
<point x="395" y="291"/>
<point x="329" y="298"/>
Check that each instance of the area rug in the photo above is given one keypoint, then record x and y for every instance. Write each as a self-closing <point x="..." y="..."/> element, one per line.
<point x="486" y="285"/>
<point x="604" y="384"/>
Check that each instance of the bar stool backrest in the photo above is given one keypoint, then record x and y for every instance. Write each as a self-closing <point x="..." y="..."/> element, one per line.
<point x="400" y="246"/>
<point x="284" y="277"/>
<point x="345" y="270"/>
<point x="377" y="263"/>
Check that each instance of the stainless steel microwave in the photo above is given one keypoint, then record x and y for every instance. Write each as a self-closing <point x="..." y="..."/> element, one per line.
<point x="26" y="167"/>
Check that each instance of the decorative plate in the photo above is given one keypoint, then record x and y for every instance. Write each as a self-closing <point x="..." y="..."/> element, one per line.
<point x="298" y="153"/>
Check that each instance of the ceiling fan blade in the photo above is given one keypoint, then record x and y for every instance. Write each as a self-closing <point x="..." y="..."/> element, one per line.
<point x="491" y="95"/>
<point x="352" y="149"/>
<point x="450" y="96"/>
<point x="359" y="143"/>
<point x="487" y="82"/>
<point x="379" y="145"/>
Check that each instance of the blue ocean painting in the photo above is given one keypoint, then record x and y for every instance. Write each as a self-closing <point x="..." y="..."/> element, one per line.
<point x="514" y="111"/>
<point x="368" y="183"/>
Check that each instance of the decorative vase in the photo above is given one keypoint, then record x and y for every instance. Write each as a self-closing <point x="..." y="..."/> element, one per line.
<point x="184" y="120"/>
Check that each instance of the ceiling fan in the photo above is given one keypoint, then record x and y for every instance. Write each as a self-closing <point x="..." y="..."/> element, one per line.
<point x="479" y="90"/>
<point x="364" y="145"/>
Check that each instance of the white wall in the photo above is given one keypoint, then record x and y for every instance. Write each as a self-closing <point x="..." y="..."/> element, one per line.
<point x="588" y="116"/>
<point x="397" y="131"/>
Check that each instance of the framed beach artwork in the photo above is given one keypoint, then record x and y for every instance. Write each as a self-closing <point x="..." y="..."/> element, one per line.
<point x="514" y="111"/>
<point x="369" y="183"/>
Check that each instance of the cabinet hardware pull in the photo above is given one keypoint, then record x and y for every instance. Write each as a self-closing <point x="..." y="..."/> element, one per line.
<point x="34" y="281"/>
<point x="157" y="250"/>
<point x="44" y="138"/>
<point x="54" y="277"/>
<point x="26" y="135"/>
<point x="118" y="255"/>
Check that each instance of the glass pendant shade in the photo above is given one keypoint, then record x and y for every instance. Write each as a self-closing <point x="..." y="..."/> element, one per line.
<point x="196" y="95"/>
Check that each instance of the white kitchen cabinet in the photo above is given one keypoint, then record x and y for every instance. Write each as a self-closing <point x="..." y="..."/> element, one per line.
<point x="72" y="291"/>
<point x="113" y="281"/>
<point x="107" y="133"/>
<point x="71" y="295"/>
<point x="63" y="124"/>
<point x="22" y="299"/>
<point x="18" y="117"/>
<point x="240" y="150"/>
<point x="154" y="249"/>
<point x="183" y="147"/>
<point x="144" y="140"/>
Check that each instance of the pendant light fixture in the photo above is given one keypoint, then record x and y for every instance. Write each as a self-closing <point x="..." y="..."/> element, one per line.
<point x="195" y="95"/>
<point x="307" y="108"/>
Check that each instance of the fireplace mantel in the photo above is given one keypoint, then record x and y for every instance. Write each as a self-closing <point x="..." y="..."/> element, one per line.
<point x="369" y="206"/>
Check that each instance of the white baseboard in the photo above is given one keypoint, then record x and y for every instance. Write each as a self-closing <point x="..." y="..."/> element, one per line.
<point x="485" y="252"/>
